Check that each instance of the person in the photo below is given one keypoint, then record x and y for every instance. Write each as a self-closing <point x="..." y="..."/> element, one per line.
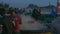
<point x="7" y="21"/>
<point x="1" y="21"/>
<point x="16" y="20"/>
<point x="36" y="14"/>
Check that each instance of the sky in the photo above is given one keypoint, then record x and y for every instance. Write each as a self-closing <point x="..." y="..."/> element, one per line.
<point x="25" y="3"/>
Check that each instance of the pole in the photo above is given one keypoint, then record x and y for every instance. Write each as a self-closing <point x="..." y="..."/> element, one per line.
<point x="56" y="8"/>
<point x="49" y="6"/>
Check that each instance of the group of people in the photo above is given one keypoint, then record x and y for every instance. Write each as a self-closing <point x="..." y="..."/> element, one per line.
<point x="10" y="23"/>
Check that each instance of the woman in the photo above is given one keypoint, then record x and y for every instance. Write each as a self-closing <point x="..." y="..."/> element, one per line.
<point x="16" y="20"/>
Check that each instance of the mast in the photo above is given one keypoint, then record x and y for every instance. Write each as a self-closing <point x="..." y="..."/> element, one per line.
<point x="49" y="6"/>
<point x="57" y="2"/>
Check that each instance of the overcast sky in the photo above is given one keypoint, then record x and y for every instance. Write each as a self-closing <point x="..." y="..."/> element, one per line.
<point x="25" y="3"/>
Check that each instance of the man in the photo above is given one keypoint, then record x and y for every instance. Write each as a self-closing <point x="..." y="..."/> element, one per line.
<point x="2" y="23"/>
<point x="16" y="20"/>
<point x="7" y="23"/>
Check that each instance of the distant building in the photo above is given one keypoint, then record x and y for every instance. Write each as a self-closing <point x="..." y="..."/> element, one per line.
<point x="31" y="7"/>
<point x="46" y="9"/>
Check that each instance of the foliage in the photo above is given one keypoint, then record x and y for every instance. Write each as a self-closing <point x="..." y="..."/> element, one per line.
<point x="4" y="5"/>
<point x="1" y="5"/>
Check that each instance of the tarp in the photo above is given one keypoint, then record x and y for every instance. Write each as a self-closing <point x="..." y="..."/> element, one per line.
<point x="29" y="23"/>
<point x="46" y="19"/>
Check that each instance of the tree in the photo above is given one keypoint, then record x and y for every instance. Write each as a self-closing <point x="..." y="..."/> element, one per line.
<point x="32" y="6"/>
<point x="6" y="5"/>
<point x="1" y="5"/>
